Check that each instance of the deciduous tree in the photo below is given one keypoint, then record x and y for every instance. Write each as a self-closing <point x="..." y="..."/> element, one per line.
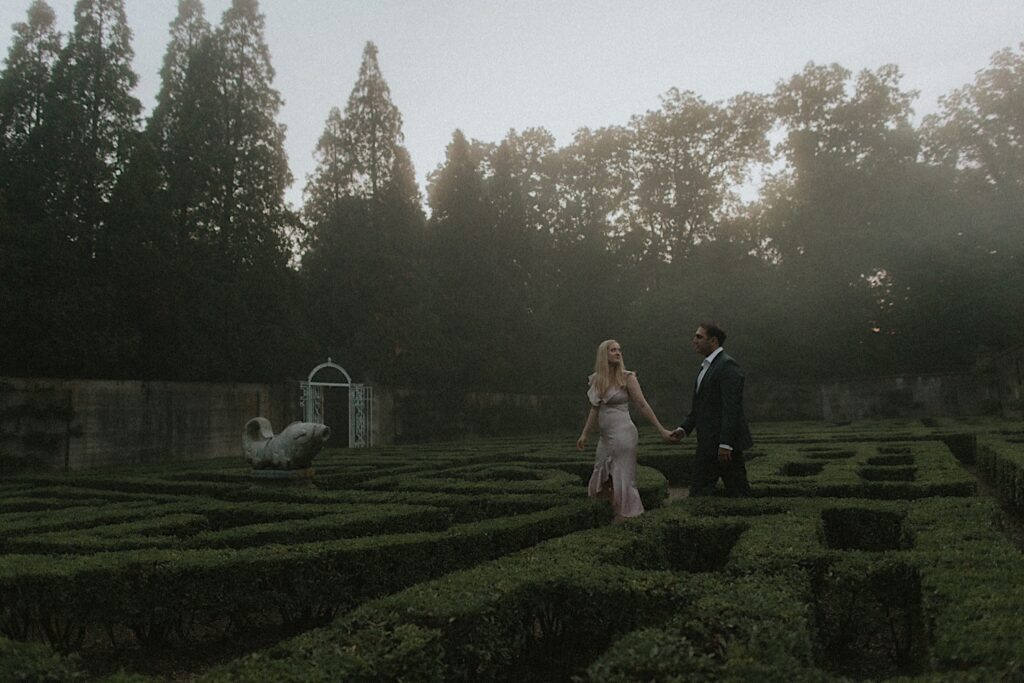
<point x="980" y="129"/>
<point x="689" y="158"/>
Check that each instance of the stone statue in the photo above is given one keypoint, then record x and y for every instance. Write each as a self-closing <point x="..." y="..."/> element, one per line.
<point x="293" y="449"/>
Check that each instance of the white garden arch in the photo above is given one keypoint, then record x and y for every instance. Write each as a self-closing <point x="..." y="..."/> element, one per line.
<point x="360" y="402"/>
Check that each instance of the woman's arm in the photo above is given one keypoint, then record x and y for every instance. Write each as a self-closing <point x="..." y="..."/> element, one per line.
<point x="636" y="394"/>
<point x="587" y="426"/>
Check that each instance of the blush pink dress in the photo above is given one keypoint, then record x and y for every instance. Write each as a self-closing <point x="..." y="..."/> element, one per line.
<point x="616" y="451"/>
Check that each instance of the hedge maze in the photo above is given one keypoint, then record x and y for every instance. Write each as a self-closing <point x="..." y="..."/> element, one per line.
<point x="865" y="553"/>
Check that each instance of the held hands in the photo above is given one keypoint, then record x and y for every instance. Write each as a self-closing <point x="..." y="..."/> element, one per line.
<point x="675" y="436"/>
<point x="725" y="455"/>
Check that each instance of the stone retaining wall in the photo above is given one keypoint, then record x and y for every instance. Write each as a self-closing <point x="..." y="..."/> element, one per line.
<point x="52" y="424"/>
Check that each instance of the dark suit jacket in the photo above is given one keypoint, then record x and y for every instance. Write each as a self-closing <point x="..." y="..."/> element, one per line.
<point x="717" y="409"/>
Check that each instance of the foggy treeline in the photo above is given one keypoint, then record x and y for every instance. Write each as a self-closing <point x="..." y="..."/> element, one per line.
<point x="163" y="248"/>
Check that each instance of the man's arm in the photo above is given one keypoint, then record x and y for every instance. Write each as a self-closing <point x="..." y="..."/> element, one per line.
<point x="731" y="383"/>
<point x="688" y="423"/>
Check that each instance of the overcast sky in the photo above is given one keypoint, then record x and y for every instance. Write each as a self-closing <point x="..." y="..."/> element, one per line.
<point x="488" y="66"/>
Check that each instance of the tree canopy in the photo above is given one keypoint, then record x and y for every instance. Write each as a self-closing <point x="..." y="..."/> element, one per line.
<point x="824" y="227"/>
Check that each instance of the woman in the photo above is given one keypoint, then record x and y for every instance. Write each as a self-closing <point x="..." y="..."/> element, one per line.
<point x="612" y="387"/>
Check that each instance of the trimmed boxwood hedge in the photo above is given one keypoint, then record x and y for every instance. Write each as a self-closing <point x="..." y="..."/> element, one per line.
<point x="1002" y="463"/>
<point x="35" y="663"/>
<point x="828" y="574"/>
<point x="740" y="629"/>
<point x="151" y="593"/>
<point x="784" y="605"/>
<point x="519" y="617"/>
<point x="859" y="470"/>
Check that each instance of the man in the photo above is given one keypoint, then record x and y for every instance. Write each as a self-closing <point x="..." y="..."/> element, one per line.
<point x="717" y="414"/>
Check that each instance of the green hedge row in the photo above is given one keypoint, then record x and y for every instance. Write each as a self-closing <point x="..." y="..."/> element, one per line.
<point x="35" y="503"/>
<point x="547" y="612"/>
<point x="465" y="508"/>
<point x="970" y="605"/>
<point x="472" y="474"/>
<point x="1002" y="463"/>
<point x="554" y="483"/>
<point x="772" y="588"/>
<point x="193" y="531"/>
<point x="66" y="519"/>
<point x="714" y="589"/>
<point x="951" y="432"/>
<point x="254" y="505"/>
<point x="676" y="461"/>
<point x="370" y="521"/>
<point x="137" y="486"/>
<point x="517" y="618"/>
<point x="743" y="628"/>
<point x="162" y="532"/>
<point x="151" y="595"/>
<point x="653" y="487"/>
<point x="157" y="594"/>
<point x="901" y="470"/>
<point x="35" y="663"/>
<point x="221" y="514"/>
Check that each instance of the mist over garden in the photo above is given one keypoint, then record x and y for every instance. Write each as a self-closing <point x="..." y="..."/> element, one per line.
<point x="829" y="230"/>
<point x="161" y="299"/>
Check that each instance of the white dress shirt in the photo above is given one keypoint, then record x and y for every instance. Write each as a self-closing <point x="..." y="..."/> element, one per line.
<point x="705" y="364"/>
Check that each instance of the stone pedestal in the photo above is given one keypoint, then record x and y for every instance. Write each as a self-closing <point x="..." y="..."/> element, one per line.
<point x="272" y="477"/>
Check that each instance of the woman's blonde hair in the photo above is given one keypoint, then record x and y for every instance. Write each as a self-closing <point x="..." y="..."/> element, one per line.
<point x="605" y="376"/>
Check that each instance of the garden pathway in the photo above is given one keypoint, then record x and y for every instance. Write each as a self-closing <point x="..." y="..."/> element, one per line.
<point x="678" y="493"/>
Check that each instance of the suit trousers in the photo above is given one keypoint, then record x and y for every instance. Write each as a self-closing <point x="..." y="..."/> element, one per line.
<point x="707" y="472"/>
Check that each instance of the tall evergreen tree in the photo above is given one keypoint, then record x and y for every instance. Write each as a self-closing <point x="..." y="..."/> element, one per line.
<point x="91" y="120"/>
<point x="251" y="168"/>
<point x="374" y="127"/>
<point x="158" y="268"/>
<point x="331" y="181"/>
<point x="166" y="131"/>
<point x="231" y="201"/>
<point x="361" y="154"/>
<point x="26" y="258"/>
<point x="203" y="208"/>
<point x="188" y="30"/>
<point x="78" y="152"/>
<point x="24" y="86"/>
<point x="363" y="212"/>
<point x="455" y="190"/>
<point x="228" y="170"/>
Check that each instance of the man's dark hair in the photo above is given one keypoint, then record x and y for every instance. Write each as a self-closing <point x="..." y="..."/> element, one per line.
<point x="712" y="329"/>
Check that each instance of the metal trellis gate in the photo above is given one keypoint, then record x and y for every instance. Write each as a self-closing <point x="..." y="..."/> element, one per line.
<point x="360" y="404"/>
